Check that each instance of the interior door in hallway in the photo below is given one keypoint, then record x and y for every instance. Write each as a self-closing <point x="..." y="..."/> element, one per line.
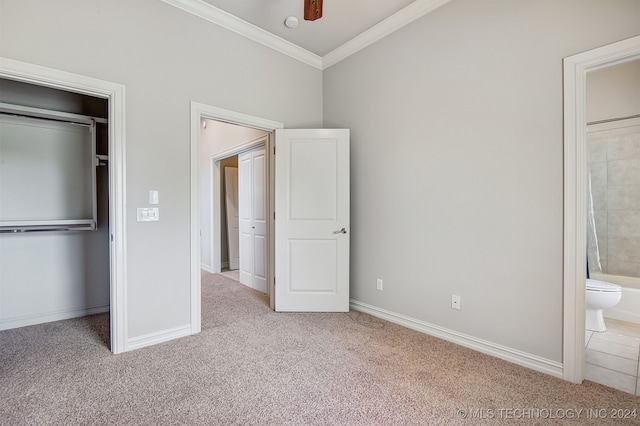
<point x="312" y="220"/>
<point x="252" y="203"/>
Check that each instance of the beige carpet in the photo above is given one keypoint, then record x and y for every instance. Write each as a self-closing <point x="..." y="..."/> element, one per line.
<point x="253" y="366"/>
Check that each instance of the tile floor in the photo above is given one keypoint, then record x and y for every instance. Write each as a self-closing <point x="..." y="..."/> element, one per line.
<point x="234" y="275"/>
<point x="613" y="356"/>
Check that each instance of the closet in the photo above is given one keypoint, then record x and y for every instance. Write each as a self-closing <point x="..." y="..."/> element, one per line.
<point x="54" y="205"/>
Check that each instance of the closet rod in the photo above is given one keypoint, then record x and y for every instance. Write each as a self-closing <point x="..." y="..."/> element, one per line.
<point x="30" y="112"/>
<point x="57" y="120"/>
<point x="610" y="120"/>
<point x="19" y="230"/>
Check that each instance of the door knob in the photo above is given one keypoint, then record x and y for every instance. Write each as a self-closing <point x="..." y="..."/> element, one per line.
<point x="342" y="231"/>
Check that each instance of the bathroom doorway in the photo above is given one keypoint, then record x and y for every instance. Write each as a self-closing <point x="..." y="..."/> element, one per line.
<point x="613" y="214"/>
<point x="576" y="71"/>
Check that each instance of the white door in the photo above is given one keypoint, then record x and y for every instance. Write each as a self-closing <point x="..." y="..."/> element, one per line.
<point x="252" y="203"/>
<point x="312" y="220"/>
<point x="233" y="227"/>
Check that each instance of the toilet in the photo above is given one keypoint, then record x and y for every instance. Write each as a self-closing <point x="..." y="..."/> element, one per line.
<point x="600" y="295"/>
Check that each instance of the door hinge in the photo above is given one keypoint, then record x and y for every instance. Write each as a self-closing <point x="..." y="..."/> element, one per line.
<point x="274" y="215"/>
<point x="274" y="150"/>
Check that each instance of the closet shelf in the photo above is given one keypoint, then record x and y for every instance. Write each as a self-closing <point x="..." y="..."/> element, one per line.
<point x="49" y="114"/>
<point x="62" y="225"/>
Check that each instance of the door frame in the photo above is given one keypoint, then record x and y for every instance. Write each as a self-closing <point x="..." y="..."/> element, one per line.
<point x="115" y="93"/>
<point x="576" y="68"/>
<point x="198" y="112"/>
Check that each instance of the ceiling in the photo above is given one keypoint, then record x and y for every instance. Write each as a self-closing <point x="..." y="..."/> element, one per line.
<point x="341" y="20"/>
<point x="346" y="26"/>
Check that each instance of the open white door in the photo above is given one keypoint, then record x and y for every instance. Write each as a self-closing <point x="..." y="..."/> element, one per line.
<point x="312" y="220"/>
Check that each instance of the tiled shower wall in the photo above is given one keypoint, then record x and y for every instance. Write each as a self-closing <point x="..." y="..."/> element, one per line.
<point x="614" y="170"/>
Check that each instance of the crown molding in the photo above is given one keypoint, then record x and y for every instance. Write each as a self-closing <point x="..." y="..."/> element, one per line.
<point x="204" y="10"/>
<point x="231" y="22"/>
<point x="403" y="17"/>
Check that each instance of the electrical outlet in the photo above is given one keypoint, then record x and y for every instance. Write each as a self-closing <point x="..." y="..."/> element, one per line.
<point x="146" y="214"/>
<point x="455" y="302"/>
<point x="379" y="284"/>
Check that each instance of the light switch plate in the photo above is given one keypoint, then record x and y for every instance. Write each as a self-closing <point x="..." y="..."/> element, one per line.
<point x="153" y="197"/>
<point x="146" y="214"/>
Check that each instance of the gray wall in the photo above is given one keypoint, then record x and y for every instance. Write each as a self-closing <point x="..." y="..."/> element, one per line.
<point x="457" y="147"/>
<point x="165" y="58"/>
<point x="613" y="92"/>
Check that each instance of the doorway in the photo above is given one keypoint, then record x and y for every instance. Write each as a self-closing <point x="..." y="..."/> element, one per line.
<point x="200" y="112"/>
<point x="575" y="194"/>
<point x="114" y="94"/>
<point x="306" y="181"/>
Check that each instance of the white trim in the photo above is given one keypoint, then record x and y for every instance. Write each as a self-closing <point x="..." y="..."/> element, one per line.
<point x="198" y="112"/>
<point x="231" y="22"/>
<point x="271" y="150"/>
<point x="215" y="231"/>
<point x="26" y="320"/>
<point x="195" y="271"/>
<point x="575" y="206"/>
<point x="524" y="359"/>
<point x="233" y="117"/>
<point x="207" y="268"/>
<point x="50" y="114"/>
<point x="415" y="10"/>
<point x="405" y="16"/>
<point x="237" y="150"/>
<point x="43" y="76"/>
<point x="158" y="337"/>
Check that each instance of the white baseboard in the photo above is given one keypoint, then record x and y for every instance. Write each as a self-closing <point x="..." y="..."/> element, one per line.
<point x="225" y="264"/>
<point x="206" y="268"/>
<point x="23" y="321"/>
<point x="158" y="337"/>
<point x="524" y="359"/>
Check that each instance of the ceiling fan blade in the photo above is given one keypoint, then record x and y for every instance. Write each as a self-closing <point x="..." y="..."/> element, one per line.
<point x="312" y="10"/>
